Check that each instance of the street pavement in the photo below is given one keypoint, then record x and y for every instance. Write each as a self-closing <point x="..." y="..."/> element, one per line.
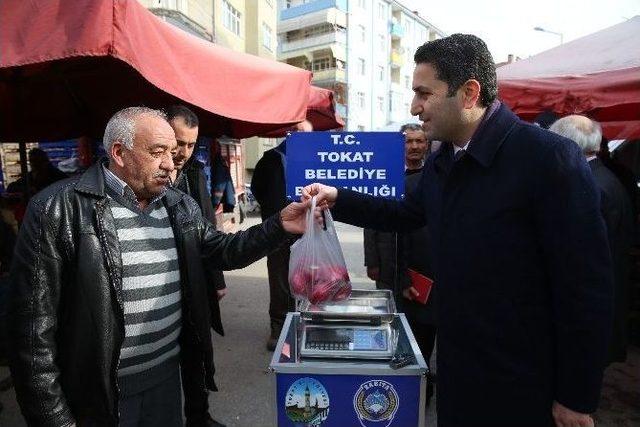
<point x="246" y="397"/>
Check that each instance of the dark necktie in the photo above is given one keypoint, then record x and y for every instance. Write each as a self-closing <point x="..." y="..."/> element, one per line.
<point x="457" y="156"/>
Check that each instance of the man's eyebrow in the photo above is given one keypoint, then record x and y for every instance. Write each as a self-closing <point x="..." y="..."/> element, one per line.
<point x="420" y="89"/>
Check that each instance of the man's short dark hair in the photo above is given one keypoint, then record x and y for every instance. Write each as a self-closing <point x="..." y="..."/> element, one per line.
<point x="180" y="111"/>
<point x="458" y="58"/>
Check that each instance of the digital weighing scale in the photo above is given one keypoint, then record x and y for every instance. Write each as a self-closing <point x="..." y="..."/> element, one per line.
<point x="358" y="327"/>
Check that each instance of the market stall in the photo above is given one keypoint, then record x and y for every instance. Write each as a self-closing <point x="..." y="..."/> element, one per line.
<point x="597" y="75"/>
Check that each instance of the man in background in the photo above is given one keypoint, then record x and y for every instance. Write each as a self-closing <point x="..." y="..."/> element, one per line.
<point x="190" y="178"/>
<point x="380" y="248"/>
<point x="617" y="212"/>
<point x="268" y="187"/>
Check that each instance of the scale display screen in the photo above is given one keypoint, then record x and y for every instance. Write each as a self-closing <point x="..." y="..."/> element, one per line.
<point x="369" y="339"/>
<point x="349" y="339"/>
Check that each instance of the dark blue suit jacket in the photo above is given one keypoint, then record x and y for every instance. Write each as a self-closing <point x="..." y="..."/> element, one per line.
<point x="523" y="271"/>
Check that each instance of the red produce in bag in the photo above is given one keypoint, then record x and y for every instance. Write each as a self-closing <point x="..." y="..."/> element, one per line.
<point x="317" y="271"/>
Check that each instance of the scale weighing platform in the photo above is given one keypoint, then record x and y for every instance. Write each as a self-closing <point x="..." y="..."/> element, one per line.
<point x="337" y="365"/>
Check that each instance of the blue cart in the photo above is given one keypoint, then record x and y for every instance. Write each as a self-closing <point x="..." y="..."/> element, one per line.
<point x="317" y="383"/>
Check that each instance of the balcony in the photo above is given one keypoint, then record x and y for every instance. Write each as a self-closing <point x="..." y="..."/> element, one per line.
<point x="397" y="58"/>
<point x="182" y="21"/>
<point x="310" y="42"/>
<point x="331" y="16"/>
<point x="397" y="31"/>
<point x="329" y="75"/>
<point x="314" y="6"/>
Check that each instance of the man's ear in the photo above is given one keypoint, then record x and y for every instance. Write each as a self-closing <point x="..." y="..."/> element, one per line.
<point x="117" y="149"/>
<point x="470" y="93"/>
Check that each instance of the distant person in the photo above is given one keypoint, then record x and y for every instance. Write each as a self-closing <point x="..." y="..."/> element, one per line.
<point x="380" y="248"/>
<point x="190" y="178"/>
<point x="42" y="173"/>
<point x="618" y="217"/>
<point x="545" y="119"/>
<point x="222" y="187"/>
<point x="268" y="187"/>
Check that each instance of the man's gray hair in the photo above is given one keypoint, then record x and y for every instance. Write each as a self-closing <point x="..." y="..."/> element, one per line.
<point x="122" y="126"/>
<point x="411" y="126"/>
<point x="583" y="131"/>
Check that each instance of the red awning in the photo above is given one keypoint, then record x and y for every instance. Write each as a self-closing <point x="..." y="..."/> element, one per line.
<point x="597" y="75"/>
<point x="67" y="66"/>
<point x="321" y="113"/>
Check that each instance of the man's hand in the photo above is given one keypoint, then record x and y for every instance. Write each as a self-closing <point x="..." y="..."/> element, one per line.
<point x="293" y="217"/>
<point x="325" y="196"/>
<point x="565" y="417"/>
<point x="410" y="293"/>
<point x="221" y="293"/>
<point x="373" y="273"/>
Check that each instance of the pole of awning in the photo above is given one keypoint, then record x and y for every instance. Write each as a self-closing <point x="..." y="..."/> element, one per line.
<point x="24" y="171"/>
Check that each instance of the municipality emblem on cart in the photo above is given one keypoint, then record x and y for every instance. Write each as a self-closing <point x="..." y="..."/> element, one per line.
<point x="307" y="402"/>
<point x="376" y="403"/>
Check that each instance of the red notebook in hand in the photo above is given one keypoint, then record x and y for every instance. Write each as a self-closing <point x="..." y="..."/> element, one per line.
<point x="422" y="284"/>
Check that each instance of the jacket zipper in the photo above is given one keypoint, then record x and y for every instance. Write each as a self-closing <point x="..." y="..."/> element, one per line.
<point x="185" y="288"/>
<point x="100" y="207"/>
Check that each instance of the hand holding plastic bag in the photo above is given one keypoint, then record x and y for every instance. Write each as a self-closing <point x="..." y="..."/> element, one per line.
<point x="317" y="271"/>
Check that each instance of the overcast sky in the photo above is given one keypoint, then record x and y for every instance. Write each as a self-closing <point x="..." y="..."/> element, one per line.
<point x="507" y="25"/>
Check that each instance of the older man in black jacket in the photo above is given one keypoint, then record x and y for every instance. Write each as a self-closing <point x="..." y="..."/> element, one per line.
<point x="109" y="294"/>
<point x="520" y="251"/>
<point x="617" y="212"/>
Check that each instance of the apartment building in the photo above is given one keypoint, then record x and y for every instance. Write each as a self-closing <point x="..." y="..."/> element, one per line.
<point x="241" y="25"/>
<point x="361" y="49"/>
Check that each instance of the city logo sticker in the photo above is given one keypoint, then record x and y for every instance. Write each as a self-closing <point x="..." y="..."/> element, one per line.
<point x="376" y="403"/>
<point x="307" y="402"/>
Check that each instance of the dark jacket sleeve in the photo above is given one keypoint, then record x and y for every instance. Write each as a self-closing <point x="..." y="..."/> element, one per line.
<point x="267" y="184"/>
<point x="206" y="204"/>
<point x="371" y="255"/>
<point x="380" y="214"/>
<point x="35" y="293"/>
<point x="231" y="251"/>
<point x="574" y="244"/>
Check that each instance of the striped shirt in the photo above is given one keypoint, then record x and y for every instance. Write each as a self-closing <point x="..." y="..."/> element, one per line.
<point x="150" y="287"/>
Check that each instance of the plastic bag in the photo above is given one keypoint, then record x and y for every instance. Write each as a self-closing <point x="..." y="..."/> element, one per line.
<point x="317" y="271"/>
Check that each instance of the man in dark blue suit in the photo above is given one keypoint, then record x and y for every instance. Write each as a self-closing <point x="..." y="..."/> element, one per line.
<point x="521" y="259"/>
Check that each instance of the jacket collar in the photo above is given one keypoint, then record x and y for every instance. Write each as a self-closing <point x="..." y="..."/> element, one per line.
<point x="491" y="134"/>
<point x="92" y="182"/>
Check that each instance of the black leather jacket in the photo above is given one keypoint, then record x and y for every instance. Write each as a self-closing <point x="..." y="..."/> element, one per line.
<point x="66" y="307"/>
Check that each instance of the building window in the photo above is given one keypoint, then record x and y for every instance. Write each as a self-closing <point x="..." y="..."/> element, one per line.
<point x="362" y="4"/>
<point x="266" y="36"/>
<point x="360" y="96"/>
<point x="383" y="42"/>
<point x="322" y="64"/>
<point x="363" y="34"/>
<point x="380" y="73"/>
<point x="288" y="5"/>
<point x="406" y="107"/>
<point x="179" y="5"/>
<point x="382" y="11"/>
<point x="361" y="67"/>
<point x="380" y="103"/>
<point x="231" y="18"/>
<point x="407" y="82"/>
<point x="360" y="128"/>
